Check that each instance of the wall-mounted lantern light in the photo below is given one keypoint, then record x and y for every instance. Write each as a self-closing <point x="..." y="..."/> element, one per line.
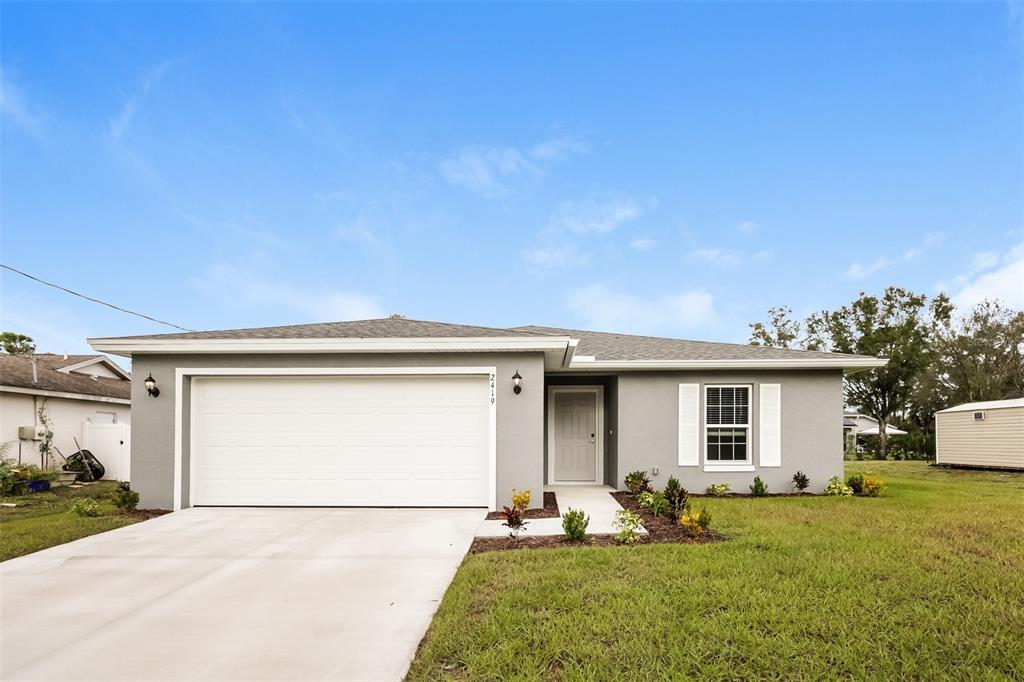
<point x="517" y="383"/>
<point x="150" y="384"/>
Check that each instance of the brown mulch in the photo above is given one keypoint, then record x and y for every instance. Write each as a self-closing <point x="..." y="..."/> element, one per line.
<point x="146" y="514"/>
<point x="659" y="531"/>
<point x="549" y="511"/>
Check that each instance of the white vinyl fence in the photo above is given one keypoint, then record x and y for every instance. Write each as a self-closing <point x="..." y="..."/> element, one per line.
<point x="111" y="444"/>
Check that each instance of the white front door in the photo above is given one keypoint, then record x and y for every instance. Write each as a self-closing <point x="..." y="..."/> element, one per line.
<point x="374" y="441"/>
<point x="574" y="435"/>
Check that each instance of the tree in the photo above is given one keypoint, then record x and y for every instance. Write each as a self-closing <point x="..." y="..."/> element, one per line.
<point x="894" y="326"/>
<point x="17" y="344"/>
<point x="780" y="332"/>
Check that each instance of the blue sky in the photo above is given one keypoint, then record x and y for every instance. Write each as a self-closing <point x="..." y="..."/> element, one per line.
<point x="661" y="169"/>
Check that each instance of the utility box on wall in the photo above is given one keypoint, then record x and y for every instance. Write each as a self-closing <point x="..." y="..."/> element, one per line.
<point x="29" y="433"/>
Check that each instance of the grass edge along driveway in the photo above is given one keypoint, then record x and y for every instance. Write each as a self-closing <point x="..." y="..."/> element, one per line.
<point x="924" y="582"/>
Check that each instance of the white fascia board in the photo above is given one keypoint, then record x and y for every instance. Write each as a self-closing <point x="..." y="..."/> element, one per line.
<point x="97" y="361"/>
<point x="846" y="364"/>
<point x="128" y="347"/>
<point x="65" y="395"/>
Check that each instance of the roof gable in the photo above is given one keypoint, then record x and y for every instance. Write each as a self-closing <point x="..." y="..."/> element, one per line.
<point x="16" y="372"/>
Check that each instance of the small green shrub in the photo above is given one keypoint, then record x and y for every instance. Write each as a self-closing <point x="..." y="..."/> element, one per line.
<point x="866" y="484"/>
<point x="637" y="482"/>
<point x="676" y="496"/>
<point x="85" y="506"/>
<point x="644" y="499"/>
<point x="758" y="489"/>
<point x="628" y="524"/>
<point x="574" y="523"/>
<point x="8" y="480"/>
<point x="800" y="481"/>
<point x="718" y="489"/>
<point x="695" y="523"/>
<point x="837" y="488"/>
<point x="704" y="519"/>
<point x="659" y="504"/>
<point x="124" y="498"/>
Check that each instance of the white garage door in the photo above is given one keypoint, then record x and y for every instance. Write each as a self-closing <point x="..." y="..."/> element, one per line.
<point x="336" y="441"/>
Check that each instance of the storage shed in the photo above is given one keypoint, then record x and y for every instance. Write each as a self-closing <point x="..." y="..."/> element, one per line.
<point x="987" y="434"/>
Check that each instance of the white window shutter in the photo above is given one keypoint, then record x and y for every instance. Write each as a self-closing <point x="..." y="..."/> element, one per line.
<point x="770" y="425"/>
<point x="689" y="425"/>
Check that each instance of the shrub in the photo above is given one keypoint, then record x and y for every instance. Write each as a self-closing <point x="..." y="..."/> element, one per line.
<point x="836" y="487"/>
<point x="124" y="498"/>
<point x="718" y="489"/>
<point x="866" y="484"/>
<point x="8" y="480"/>
<point x="513" y="521"/>
<point x="659" y="504"/>
<point x="521" y="499"/>
<point x="644" y="499"/>
<point x="574" y="523"/>
<point x="689" y="523"/>
<point x="800" y="481"/>
<point x="628" y="524"/>
<point x="856" y="483"/>
<point x="759" y="489"/>
<point x="704" y="519"/>
<point x="637" y="482"/>
<point x="85" y="506"/>
<point x="676" y="496"/>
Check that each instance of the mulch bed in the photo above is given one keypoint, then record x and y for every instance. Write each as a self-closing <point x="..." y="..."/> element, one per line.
<point x="659" y="531"/>
<point x="549" y="511"/>
<point x="147" y="514"/>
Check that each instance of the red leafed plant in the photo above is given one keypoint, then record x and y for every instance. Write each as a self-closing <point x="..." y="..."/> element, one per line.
<point x="513" y="521"/>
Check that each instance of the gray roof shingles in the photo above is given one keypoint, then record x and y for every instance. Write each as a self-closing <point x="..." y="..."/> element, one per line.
<point x="16" y="371"/>
<point x="601" y="345"/>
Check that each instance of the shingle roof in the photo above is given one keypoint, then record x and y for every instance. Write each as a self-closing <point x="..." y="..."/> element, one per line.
<point x="16" y="370"/>
<point x="384" y="328"/>
<point x="609" y="346"/>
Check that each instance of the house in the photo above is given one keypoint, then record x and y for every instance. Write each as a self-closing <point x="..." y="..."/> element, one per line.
<point x="987" y="434"/>
<point x="856" y="424"/>
<point x="399" y="412"/>
<point x="77" y="397"/>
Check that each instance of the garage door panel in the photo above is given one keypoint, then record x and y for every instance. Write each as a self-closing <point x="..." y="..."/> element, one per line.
<point x="380" y="441"/>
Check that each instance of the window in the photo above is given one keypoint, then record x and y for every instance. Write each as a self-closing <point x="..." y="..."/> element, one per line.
<point x="105" y="418"/>
<point x="727" y="423"/>
<point x="979" y="416"/>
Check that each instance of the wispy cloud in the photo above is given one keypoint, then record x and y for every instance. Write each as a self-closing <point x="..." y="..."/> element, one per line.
<point x="17" y="108"/>
<point x="990" y="276"/>
<point x="602" y="308"/>
<point x="559" y="256"/>
<point x="313" y="124"/>
<point x="358" y="230"/>
<point x="642" y="244"/>
<point x="728" y="257"/>
<point x="489" y="170"/>
<point x="248" y="284"/>
<point x="748" y="228"/>
<point x="120" y="125"/>
<point x="592" y="215"/>
<point x="859" y="270"/>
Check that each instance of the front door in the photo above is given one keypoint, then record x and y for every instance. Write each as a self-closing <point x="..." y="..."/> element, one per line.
<point x="575" y="436"/>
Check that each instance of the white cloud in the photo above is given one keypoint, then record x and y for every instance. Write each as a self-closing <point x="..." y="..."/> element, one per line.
<point x="16" y="107"/>
<point x="642" y="244"/>
<point x="556" y="256"/>
<point x="488" y="170"/>
<point x="1004" y="283"/>
<point x="248" y="284"/>
<point x="728" y="257"/>
<point x="984" y="260"/>
<point x="860" y="271"/>
<point x="748" y="228"/>
<point x="119" y="126"/>
<point x="601" y="308"/>
<point x="358" y="230"/>
<point x="599" y="216"/>
<point x="934" y="238"/>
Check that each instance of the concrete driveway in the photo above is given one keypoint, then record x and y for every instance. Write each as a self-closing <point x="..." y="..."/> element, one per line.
<point x="234" y="594"/>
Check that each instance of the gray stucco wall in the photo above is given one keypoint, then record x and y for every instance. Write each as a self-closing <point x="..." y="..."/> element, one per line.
<point x="520" y="418"/>
<point x="812" y="408"/>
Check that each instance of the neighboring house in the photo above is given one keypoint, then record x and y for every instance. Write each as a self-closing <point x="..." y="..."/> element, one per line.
<point x="398" y="412"/>
<point x="856" y="424"/>
<point x="987" y="434"/>
<point x="84" y="397"/>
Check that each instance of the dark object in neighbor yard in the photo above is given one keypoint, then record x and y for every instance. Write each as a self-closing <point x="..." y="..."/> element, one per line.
<point x="38" y="486"/>
<point x="85" y="464"/>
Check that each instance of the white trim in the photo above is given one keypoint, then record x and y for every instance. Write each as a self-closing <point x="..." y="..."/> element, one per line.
<point x="716" y="464"/>
<point x="598" y="392"/>
<point x="330" y="345"/>
<point x="711" y="468"/>
<point x="769" y="425"/>
<point x="63" y="394"/>
<point x="92" y="361"/>
<point x="852" y="364"/>
<point x="688" y="429"/>
<point x="182" y="372"/>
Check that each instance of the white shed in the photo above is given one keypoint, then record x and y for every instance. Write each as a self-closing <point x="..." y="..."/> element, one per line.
<point x="986" y="434"/>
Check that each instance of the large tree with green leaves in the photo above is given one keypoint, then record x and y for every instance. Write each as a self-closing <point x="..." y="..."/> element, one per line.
<point x="17" y="344"/>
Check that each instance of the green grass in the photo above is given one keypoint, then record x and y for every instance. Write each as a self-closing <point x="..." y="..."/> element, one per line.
<point x="42" y="520"/>
<point x="925" y="583"/>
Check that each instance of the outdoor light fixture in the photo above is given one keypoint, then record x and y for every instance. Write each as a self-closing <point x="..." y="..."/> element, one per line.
<point x="151" y="388"/>
<point x="517" y="383"/>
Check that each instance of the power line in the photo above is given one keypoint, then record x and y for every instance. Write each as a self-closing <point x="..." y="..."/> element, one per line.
<point x="94" y="300"/>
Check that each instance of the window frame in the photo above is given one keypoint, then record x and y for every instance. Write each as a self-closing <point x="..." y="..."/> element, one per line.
<point x="724" y="465"/>
<point x="978" y="418"/>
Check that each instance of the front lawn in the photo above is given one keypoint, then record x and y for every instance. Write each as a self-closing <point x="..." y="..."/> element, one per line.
<point x="926" y="582"/>
<point x="42" y="520"/>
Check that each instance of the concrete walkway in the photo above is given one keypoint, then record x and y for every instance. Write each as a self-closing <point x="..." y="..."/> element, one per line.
<point x="234" y="594"/>
<point x="594" y="500"/>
